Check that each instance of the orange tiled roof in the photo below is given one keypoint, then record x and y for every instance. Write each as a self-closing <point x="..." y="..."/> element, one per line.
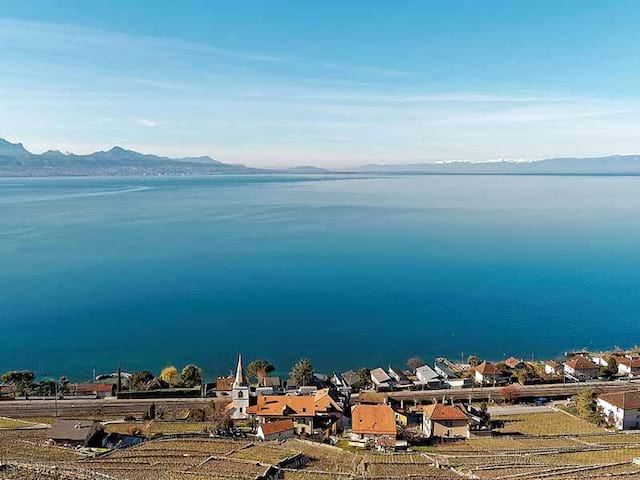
<point x="438" y="411"/>
<point x="512" y="362"/>
<point x="625" y="400"/>
<point x="486" y="368"/>
<point x="295" y="405"/>
<point x="580" y="363"/>
<point x="373" y="419"/>
<point x="277" y="427"/>
<point x="633" y="363"/>
<point x="93" y="387"/>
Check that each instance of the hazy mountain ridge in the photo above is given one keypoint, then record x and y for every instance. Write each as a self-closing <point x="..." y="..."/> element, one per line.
<point x="612" y="165"/>
<point x="16" y="160"/>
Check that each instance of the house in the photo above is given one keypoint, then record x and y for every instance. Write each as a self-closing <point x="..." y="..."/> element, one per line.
<point x="269" y="386"/>
<point x="380" y="379"/>
<point x="83" y="433"/>
<point x="371" y="398"/>
<point x="514" y="363"/>
<point x="96" y="390"/>
<point x="224" y="384"/>
<point x="579" y="369"/>
<point x="311" y="414"/>
<point x="487" y="374"/>
<point x="408" y="418"/>
<point x="453" y="374"/>
<point x="621" y="409"/>
<point x="373" y="426"/>
<point x="551" y="367"/>
<point x="629" y="366"/>
<point x="428" y="377"/>
<point x="7" y="392"/>
<point x="445" y="422"/>
<point x="448" y="369"/>
<point x="344" y="381"/>
<point x="399" y="378"/>
<point x="278" y="430"/>
<point x="602" y="359"/>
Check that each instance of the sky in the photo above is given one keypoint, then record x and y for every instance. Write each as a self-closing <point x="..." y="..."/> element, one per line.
<point x="331" y="83"/>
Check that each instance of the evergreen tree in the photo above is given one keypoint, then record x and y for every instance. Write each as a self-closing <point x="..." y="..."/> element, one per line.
<point x="302" y="373"/>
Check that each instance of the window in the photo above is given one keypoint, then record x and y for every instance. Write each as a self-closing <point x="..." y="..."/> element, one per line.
<point x="239" y="393"/>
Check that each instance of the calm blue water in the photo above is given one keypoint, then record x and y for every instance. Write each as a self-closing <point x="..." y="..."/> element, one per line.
<point x="348" y="271"/>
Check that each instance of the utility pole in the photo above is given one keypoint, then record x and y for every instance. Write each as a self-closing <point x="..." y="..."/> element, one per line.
<point x="55" y="399"/>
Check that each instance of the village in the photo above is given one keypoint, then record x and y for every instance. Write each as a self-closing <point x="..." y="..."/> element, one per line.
<point x="474" y="419"/>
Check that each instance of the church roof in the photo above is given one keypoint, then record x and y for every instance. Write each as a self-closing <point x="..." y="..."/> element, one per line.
<point x="241" y="378"/>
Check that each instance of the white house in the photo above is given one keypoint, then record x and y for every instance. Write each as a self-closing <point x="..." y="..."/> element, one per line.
<point x="551" y="367"/>
<point x="381" y="380"/>
<point x="486" y="374"/>
<point x="621" y="409"/>
<point x="428" y="377"/>
<point x="278" y="430"/>
<point x="629" y="366"/>
<point x="445" y="421"/>
<point x="580" y="369"/>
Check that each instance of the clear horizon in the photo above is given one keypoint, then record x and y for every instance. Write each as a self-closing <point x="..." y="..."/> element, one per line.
<point x="272" y="84"/>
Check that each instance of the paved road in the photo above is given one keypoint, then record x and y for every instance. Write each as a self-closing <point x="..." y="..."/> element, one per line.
<point x="554" y="391"/>
<point x="99" y="408"/>
<point x="519" y="409"/>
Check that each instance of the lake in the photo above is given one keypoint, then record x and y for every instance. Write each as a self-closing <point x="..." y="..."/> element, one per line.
<point x="349" y="271"/>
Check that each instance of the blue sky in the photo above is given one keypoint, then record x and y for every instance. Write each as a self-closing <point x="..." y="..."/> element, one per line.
<point x="328" y="83"/>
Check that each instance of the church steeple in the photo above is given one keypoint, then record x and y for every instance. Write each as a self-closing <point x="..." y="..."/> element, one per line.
<point x="241" y="378"/>
<point x="240" y="393"/>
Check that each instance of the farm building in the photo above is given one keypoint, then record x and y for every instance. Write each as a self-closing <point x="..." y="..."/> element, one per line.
<point x="278" y="430"/>
<point x="621" y="409"/>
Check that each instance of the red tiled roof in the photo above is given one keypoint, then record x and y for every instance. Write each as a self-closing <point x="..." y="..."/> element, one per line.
<point x="373" y="419"/>
<point x="295" y="405"/>
<point x="626" y="400"/>
<point x="437" y="411"/>
<point x="277" y="427"/>
<point x="486" y="368"/>
<point x="512" y="362"/>
<point x="580" y="363"/>
<point x="628" y="362"/>
<point x="93" y="388"/>
<point x="224" y="384"/>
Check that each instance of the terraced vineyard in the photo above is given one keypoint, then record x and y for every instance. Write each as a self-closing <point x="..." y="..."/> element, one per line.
<point x="193" y="459"/>
<point x="29" y="445"/>
<point x="551" y="446"/>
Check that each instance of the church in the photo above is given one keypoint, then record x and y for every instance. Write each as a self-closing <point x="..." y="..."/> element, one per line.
<point x="240" y="393"/>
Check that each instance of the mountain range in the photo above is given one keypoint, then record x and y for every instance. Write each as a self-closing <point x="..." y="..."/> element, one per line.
<point x="16" y="160"/>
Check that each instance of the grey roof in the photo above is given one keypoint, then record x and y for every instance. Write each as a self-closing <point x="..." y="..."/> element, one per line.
<point x="425" y="373"/>
<point x="444" y="369"/>
<point x="350" y="377"/>
<point x="76" y="430"/>
<point x="272" y="382"/>
<point x="398" y="375"/>
<point x="378" y="375"/>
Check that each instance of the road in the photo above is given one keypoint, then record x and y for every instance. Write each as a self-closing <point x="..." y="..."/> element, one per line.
<point x="114" y="408"/>
<point x="107" y="408"/>
<point x="519" y="409"/>
<point x="553" y="391"/>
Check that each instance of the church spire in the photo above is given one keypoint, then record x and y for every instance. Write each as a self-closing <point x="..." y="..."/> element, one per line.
<point x="241" y="378"/>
